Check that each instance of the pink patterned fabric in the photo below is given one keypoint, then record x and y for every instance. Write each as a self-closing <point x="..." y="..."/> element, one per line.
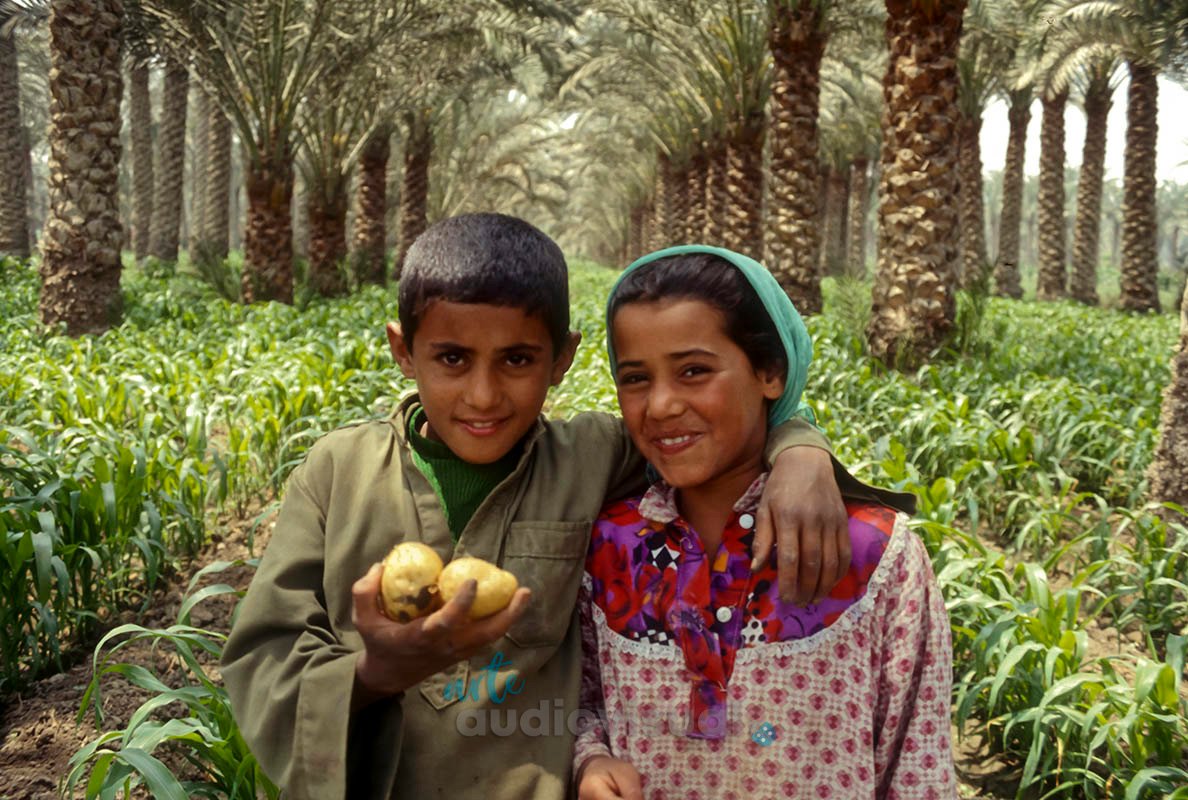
<point x="855" y="705"/>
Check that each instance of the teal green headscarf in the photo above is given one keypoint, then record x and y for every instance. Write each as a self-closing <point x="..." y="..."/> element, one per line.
<point x="798" y="345"/>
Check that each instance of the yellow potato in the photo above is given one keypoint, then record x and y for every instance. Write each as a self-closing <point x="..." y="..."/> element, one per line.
<point x="408" y="586"/>
<point x="495" y="586"/>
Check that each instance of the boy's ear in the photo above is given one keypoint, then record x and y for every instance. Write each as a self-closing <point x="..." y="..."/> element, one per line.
<point x="401" y="352"/>
<point x="564" y="359"/>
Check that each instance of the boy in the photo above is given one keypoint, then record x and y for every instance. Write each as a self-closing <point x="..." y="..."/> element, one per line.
<point x="336" y="700"/>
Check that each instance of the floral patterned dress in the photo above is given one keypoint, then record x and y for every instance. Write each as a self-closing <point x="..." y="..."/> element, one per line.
<point x="712" y="687"/>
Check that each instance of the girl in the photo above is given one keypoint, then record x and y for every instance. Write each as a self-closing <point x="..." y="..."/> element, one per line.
<point x="702" y="681"/>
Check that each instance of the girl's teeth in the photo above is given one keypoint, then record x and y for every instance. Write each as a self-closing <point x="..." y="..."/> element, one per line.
<point x="676" y="440"/>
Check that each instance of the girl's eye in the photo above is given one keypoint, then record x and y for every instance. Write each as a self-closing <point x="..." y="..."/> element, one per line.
<point x="693" y="370"/>
<point x="632" y="379"/>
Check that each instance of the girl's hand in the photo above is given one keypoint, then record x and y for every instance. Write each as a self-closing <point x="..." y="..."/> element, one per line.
<point x="803" y="507"/>
<point x="606" y="778"/>
<point x="398" y="656"/>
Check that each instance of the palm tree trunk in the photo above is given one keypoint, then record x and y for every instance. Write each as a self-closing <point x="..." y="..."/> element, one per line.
<point x="856" y="221"/>
<point x="635" y="232"/>
<point x="716" y="196"/>
<point x="1006" y="270"/>
<point x="661" y="231"/>
<point x="200" y="147"/>
<point x="14" y="219"/>
<point x="268" y="238"/>
<point x="169" y="171"/>
<point x="1086" y="242"/>
<point x="371" y="215"/>
<point x="678" y="198"/>
<point x="696" y="220"/>
<point x="216" y="199"/>
<point x="833" y="220"/>
<point x="327" y="241"/>
<point x="793" y="233"/>
<point x="1052" y="274"/>
<point x="141" y="109"/>
<point x="80" y="262"/>
<point x="1140" y="260"/>
<point x="912" y="307"/>
<point x="414" y="191"/>
<point x="744" y="187"/>
<point x="1169" y="468"/>
<point x="973" y="223"/>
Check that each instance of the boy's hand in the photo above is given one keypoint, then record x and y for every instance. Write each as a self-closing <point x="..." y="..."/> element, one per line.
<point x="803" y="506"/>
<point x="398" y="656"/>
<point x="605" y="778"/>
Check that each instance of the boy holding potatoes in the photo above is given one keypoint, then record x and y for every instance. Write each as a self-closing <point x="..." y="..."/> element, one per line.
<point x="338" y="700"/>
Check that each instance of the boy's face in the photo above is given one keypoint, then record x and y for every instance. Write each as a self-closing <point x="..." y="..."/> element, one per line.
<point x="482" y="372"/>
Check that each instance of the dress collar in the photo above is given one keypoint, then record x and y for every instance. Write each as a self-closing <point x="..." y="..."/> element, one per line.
<point x="659" y="502"/>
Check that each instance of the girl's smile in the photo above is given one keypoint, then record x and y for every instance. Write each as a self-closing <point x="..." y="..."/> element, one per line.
<point x="690" y="397"/>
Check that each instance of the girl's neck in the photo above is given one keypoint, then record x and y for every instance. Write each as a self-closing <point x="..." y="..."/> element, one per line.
<point x="708" y="507"/>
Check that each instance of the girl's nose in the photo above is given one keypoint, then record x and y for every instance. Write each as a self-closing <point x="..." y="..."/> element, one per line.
<point x="663" y="401"/>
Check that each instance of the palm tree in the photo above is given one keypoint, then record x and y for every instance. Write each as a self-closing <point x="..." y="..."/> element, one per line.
<point x="371" y="214"/>
<point x="1052" y="274"/>
<point x="1169" y="468"/>
<point x="1096" y="89"/>
<point x="797" y="37"/>
<point x="13" y="216"/>
<point x="214" y="241"/>
<point x="912" y="306"/>
<point x="257" y="59"/>
<point x="14" y="219"/>
<point x="80" y="262"/>
<point x="985" y="56"/>
<point x="1149" y="35"/>
<point x="1006" y="266"/>
<point x="169" y="168"/>
<point x="414" y="188"/>
<point x="140" y="103"/>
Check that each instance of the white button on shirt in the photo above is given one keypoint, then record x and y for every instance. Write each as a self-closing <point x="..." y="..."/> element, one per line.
<point x="724" y="614"/>
<point x="746" y="521"/>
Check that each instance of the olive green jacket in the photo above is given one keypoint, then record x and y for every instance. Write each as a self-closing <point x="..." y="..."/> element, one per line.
<point x="289" y="663"/>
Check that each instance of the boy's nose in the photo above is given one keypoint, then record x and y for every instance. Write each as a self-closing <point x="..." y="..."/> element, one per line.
<point x="482" y="391"/>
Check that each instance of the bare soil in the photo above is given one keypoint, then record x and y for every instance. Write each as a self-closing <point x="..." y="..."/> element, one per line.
<point x="39" y="729"/>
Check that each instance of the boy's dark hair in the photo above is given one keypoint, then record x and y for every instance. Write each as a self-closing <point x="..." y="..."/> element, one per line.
<point x="492" y="259"/>
<point x="715" y="281"/>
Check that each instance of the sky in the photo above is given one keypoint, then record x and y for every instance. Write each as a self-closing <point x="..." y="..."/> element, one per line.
<point x="1171" y="151"/>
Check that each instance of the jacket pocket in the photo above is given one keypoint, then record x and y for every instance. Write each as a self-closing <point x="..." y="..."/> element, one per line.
<point x="548" y="558"/>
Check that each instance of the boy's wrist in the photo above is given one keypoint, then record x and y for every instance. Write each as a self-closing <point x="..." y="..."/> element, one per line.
<point x="371" y="684"/>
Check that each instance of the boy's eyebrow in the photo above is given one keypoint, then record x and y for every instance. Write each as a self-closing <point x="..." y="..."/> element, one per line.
<point x="518" y="346"/>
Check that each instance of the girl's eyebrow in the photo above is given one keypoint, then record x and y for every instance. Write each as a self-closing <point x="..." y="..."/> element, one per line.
<point x="696" y="351"/>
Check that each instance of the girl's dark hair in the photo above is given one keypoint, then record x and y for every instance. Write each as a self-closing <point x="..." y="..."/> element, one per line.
<point x="717" y="282"/>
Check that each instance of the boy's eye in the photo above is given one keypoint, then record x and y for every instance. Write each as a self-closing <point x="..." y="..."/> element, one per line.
<point x="450" y="359"/>
<point x="519" y="359"/>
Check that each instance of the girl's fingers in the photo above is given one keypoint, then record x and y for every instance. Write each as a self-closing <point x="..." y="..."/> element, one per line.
<point x="761" y="547"/>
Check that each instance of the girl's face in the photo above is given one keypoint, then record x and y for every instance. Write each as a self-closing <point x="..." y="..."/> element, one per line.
<point x="692" y="402"/>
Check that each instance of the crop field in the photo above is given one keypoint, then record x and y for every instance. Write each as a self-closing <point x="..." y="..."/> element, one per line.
<point x="1026" y="448"/>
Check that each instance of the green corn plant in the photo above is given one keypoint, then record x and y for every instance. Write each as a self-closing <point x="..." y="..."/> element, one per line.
<point x="207" y="740"/>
